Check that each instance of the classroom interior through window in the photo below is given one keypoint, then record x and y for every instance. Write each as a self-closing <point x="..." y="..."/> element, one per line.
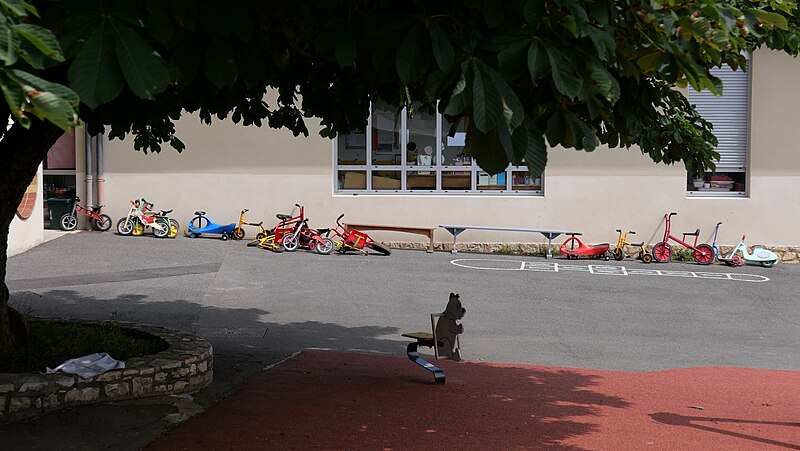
<point x="717" y="182"/>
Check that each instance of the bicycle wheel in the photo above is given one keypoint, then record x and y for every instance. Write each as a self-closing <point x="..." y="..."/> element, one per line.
<point x="68" y="222"/>
<point x="325" y="246"/>
<point x="704" y="254"/>
<point x="174" y="228"/>
<point x="380" y="248"/>
<point x="662" y="252"/>
<point x="618" y="255"/>
<point x="138" y="228"/>
<point x="161" y="228"/>
<point x="647" y="258"/>
<point x="103" y="224"/>
<point x="238" y="233"/>
<point x="260" y="236"/>
<point x="290" y="243"/>
<point x="125" y="226"/>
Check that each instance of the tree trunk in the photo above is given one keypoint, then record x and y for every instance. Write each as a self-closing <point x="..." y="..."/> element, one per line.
<point x="21" y="151"/>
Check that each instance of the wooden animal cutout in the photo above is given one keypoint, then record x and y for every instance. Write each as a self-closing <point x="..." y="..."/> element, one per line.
<point x="447" y="329"/>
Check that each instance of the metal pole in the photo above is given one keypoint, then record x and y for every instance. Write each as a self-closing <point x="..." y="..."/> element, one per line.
<point x="101" y="193"/>
<point x="89" y="170"/>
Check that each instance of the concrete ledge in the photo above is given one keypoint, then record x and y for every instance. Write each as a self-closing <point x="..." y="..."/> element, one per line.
<point x="185" y="366"/>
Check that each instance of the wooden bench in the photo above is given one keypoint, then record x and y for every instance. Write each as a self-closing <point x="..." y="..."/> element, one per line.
<point x="426" y="231"/>
<point x="549" y="234"/>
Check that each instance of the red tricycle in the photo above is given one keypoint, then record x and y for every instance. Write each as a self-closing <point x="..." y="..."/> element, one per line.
<point x="662" y="252"/>
<point x="355" y="240"/>
<point x="307" y="237"/>
<point x="572" y="252"/>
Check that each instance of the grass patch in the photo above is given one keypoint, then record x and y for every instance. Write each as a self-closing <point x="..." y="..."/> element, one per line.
<point x="507" y="250"/>
<point x="50" y="343"/>
<point x="682" y="254"/>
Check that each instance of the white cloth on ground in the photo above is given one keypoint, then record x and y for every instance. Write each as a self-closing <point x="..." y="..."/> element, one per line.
<point x="89" y="365"/>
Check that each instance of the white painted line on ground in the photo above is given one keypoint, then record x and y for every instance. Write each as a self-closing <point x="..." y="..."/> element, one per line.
<point x="606" y="270"/>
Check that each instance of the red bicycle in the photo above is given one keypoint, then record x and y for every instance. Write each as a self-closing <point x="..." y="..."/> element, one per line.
<point x="355" y="240"/>
<point x="662" y="252"/>
<point x="307" y="237"/>
<point x="99" y="221"/>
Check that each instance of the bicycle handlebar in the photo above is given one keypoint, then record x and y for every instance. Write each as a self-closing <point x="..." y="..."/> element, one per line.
<point x="673" y="214"/>
<point x="719" y="223"/>
<point x="618" y="230"/>
<point x="340" y="217"/>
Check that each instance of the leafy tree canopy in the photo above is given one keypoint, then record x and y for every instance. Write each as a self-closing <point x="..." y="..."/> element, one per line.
<point x="522" y="73"/>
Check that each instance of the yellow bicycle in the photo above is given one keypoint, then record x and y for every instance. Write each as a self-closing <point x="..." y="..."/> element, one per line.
<point x="238" y="232"/>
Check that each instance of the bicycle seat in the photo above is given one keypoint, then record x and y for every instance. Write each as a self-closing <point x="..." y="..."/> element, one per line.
<point x="695" y="233"/>
<point x="200" y="213"/>
<point x="282" y="217"/>
<point x="165" y="212"/>
<point x="262" y="222"/>
<point x="637" y="244"/>
<point x="323" y="231"/>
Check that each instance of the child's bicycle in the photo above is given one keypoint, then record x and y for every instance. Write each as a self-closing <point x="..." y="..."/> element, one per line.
<point x="99" y="221"/>
<point x="355" y="240"/>
<point x="619" y="251"/>
<point x="662" y="252"/>
<point x="307" y="237"/>
<point x="238" y="232"/>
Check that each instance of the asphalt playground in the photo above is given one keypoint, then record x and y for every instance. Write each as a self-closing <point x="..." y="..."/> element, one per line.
<point x="259" y="309"/>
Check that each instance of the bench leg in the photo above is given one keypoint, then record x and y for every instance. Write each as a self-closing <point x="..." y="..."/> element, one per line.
<point x="430" y="242"/>
<point x="438" y="374"/>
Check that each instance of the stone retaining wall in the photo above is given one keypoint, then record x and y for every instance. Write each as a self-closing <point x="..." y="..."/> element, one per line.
<point x="787" y="254"/>
<point x="185" y="366"/>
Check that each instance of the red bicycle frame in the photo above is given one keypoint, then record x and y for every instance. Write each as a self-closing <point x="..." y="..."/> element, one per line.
<point x="288" y="224"/>
<point x="662" y="252"/>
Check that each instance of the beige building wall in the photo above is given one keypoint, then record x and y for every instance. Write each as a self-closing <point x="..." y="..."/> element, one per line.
<point x="24" y="234"/>
<point x="226" y="167"/>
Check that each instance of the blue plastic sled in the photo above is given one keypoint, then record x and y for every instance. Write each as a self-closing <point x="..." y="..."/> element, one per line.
<point x="200" y="224"/>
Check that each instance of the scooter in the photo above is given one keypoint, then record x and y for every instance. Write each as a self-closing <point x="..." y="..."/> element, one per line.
<point x="760" y="255"/>
<point x="728" y="260"/>
<point x="572" y="252"/>
<point x="200" y="224"/>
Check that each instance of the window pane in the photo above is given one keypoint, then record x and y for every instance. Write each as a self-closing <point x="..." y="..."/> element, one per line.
<point x="717" y="182"/>
<point x="456" y="180"/>
<point x="522" y="180"/>
<point x="352" y="148"/>
<point x="386" y="180"/>
<point x="491" y="182"/>
<point x="385" y="134"/>
<point x="453" y="146"/>
<point x="352" y="180"/>
<point x="424" y="180"/>
<point x="421" y="147"/>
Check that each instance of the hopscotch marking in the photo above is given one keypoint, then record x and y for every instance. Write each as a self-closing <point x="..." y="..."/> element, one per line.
<point x="605" y="270"/>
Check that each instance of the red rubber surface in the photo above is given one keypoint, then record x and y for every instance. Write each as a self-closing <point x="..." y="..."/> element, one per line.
<point x="331" y="400"/>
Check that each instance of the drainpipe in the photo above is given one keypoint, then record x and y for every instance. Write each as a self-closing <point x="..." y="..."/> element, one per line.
<point x="89" y="172"/>
<point x="101" y="193"/>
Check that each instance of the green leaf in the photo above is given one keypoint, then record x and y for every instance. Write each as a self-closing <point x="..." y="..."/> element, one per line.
<point x="346" y="51"/>
<point x="649" y="63"/>
<point x="529" y="144"/>
<point x="14" y="97"/>
<point x="9" y="43"/>
<point x="442" y="49"/>
<point x="487" y="150"/>
<point x="411" y="55"/>
<point x="461" y="97"/>
<point x="143" y="68"/>
<point x="486" y="104"/>
<point x="513" y="111"/>
<point x="15" y="6"/>
<point x="95" y="74"/>
<point x="511" y="61"/>
<point x="43" y="85"/>
<point x="565" y="74"/>
<point x="53" y="108"/>
<point x="771" y="19"/>
<point x="537" y="63"/>
<point x="42" y="38"/>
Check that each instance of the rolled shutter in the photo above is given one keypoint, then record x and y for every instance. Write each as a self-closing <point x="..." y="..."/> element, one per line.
<point x="729" y="115"/>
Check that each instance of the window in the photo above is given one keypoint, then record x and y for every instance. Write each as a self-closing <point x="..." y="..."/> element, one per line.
<point x="729" y="114"/>
<point x="412" y="154"/>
